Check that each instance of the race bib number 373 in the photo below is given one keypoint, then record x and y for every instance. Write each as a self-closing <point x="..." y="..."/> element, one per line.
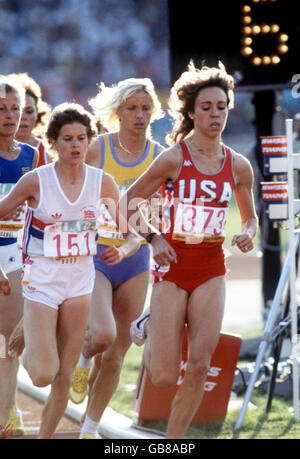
<point x="70" y="239"/>
<point x="196" y="221"/>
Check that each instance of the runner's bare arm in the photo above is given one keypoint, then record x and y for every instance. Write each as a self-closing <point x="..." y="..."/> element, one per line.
<point x="26" y="189"/>
<point x="164" y="168"/>
<point x="155" y="216"/>
<point x="16" y="212"/>
<point x="5" y="287"/>
<point x="245" y="201"/>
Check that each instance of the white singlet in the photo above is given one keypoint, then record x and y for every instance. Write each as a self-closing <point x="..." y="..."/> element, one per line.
<point x="60" y="237"/>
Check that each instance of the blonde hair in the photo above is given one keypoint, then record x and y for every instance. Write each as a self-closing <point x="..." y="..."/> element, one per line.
<point x="185" y="91"/>
<point x="108" y="100"/>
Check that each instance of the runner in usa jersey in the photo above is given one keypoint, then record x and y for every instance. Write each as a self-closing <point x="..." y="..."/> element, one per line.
<point x="200" y="200"/>
<point x="199" y="175"/>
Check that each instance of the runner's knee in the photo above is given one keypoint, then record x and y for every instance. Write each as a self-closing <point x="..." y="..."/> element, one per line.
<point x="197" y="369"/>
<point x="42" y="379"/>
<point x="102" y="340"/>
<point x="43" y="375"/>
<point x="113" y="360"/>
<point x="164" y="379"/>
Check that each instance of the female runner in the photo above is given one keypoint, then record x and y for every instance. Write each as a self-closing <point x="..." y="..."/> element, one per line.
<point x="34" y="117"/>
<point x="59" y="243"/>
<point x="198" y="174"/>
<point x="126" y="111"/>
<point x="16" y="159"/>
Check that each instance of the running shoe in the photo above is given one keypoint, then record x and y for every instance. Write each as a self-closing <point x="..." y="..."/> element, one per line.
<point x="137" y="328"/>
<point x="15" y="422"/>
<point x="79" y="387"/>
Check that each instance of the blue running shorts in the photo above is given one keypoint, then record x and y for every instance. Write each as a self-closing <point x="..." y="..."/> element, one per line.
<point x="130" y="267"/>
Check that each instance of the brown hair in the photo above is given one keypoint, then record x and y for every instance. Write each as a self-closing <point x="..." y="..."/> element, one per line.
<point x="67" y="113"/>
<point x="33" y="90"/>
<point x="184" y="93"/>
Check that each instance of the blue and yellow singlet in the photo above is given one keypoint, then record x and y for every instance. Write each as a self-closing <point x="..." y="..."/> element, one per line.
<point x="124" y="175"/>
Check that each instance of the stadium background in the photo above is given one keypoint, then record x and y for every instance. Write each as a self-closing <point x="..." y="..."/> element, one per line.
<point x="69" y="46"/>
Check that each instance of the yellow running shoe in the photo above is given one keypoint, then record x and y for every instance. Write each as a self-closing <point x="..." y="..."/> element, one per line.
<point x="16" y="422"/>
<point x="79" y="387"/>
<point x="89" y="436"/>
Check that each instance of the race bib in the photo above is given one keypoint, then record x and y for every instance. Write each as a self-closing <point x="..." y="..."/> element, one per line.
<point x="70" y="239"/>
<point x="108" y="231"/>
<point x="107" y="228"/>
<point x="197" y="223"/>
<point x="10" y="228"/>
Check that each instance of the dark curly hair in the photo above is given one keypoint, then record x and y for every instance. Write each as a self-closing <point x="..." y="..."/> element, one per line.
<point x="184" y="93"/>
<point x="68" y="113"/>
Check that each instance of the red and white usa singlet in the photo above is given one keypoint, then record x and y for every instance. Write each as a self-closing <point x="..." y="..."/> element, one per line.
<point x="195" y="207"/>
<point x="196" y="203"/>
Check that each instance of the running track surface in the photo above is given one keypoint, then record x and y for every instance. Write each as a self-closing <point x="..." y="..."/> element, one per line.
<point x="31" y="411"/>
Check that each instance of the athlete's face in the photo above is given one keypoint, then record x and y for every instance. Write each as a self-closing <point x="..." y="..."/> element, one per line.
<point x="72" y="142"/>
<point x="10" y="114"/>
<point x="211" y="111"/>
<point x="28" y="120"/>
<point x="135" y="112"/>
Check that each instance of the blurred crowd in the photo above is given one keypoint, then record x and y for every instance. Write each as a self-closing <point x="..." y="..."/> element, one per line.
<point x="71" y="45"/>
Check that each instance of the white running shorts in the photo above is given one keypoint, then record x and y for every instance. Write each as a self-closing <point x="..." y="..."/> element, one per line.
<point x="52" y="281"/>
<point x="10" y="258"/>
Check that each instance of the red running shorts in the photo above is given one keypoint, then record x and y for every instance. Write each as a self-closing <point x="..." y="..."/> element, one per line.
<point x="196" y="264"/>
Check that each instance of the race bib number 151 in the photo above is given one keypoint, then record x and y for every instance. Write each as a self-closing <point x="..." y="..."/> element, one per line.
<point x="70" y="239"/>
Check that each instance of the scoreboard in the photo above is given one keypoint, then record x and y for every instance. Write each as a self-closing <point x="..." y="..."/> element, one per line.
<point x="257" y="40"/>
